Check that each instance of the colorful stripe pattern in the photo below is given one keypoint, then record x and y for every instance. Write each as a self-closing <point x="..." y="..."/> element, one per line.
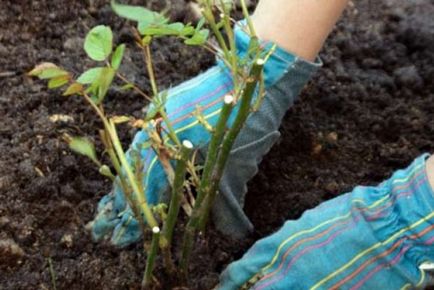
<point x="205" y="93"/>
<point x="370" y="238"/>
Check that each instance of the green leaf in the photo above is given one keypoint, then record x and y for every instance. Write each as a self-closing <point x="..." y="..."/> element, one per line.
<point x="188" y="30"/>
<point x="117" y="56"/>
<point x="201" y="23"/>
<point x="99" y="42"/>
<point x="100" y="80"/>
<point x="156" y="23"/>
<point x="58" y="82"/>
<point x="199" y="38"/>
<point x="73" y="89"/>
<point x="48" y="70"/>
<point x="127" y="87"/>
<point x="83" y="146"/>
<point x="254" y="47"/>
<point x="164" y="29"/>
<point x="137" y="13"/>
<point x="90" y="76"/>
<point x="121" y="119"/>
<point x="158" y="104"/>
<point x="104" y="82"/>
<point x="105" y="171"/>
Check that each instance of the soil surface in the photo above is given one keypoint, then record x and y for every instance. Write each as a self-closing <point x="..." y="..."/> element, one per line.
<point x="369" y="111"/>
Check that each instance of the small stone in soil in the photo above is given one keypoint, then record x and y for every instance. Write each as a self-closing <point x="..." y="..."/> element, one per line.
<point x="66" y="240"/>
<point x="73" y="44"/>
<point x="10" y="253"/>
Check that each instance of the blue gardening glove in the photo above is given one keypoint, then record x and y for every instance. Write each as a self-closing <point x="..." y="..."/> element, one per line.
<point x="370" y="238"/>
<point x="284" y="76"/>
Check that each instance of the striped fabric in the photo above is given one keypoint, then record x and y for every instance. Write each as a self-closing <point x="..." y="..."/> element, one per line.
<point x="284" y="76"/>
<point x="370" y="238"/>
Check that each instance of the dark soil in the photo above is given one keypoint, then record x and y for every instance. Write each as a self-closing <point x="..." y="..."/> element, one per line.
<point x="367" y="112"/>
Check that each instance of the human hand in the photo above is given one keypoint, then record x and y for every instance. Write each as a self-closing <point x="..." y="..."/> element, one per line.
<point x="284" y="76"/>
<point x="370" y="238"/>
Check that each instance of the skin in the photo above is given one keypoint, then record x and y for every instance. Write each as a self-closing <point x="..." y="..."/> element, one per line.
<point x="430" y="170"/>
<point x="299" y="26"/>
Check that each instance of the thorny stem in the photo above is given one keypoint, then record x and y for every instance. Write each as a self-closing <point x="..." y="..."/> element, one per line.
<point x="207" y="13"/>
<point x="215" y="142"/>
<point x="233" y="49"/>
<point x="150" y="261"/>
<point x="175" y="202"/>
<point x="140" y="197"/>
<point x="110" y="142"/>
<point x="122" y="182"/>
<point x="229" y="140"/>
<point x="213" y="148"/>
<point x="111" y="130"/>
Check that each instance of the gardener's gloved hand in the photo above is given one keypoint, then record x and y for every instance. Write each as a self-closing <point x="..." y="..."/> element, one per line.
<point x="284" y="74"/>
<point x="371" y="238"/>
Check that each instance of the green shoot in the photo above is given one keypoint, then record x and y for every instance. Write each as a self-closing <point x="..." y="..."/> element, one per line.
<point x="94" y="84"/>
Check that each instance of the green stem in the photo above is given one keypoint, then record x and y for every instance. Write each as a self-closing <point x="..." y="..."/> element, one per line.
<point x="105" y="137"/>
<point x="229" y="140"/>
<point x="170" y="129"/>
<point x="248" y="18"/>
<point x="233" y="52"/>
<point x="52" y="273"/>
<point x="187" y="248"/>
<point x="175" y="202"/>
<point x="210" y="161"/>
<point x="207" y="13"/>
<point x="213" y="148"/>
<point x="109" y="148"/>
<point x="150" y="68"/>
<point x="150" y="261"/>
<point x="139" y="196"/>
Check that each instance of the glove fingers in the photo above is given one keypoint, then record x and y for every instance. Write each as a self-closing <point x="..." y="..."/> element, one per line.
<point x="127" y="231"/>
<point x="107" y="215"/>
<point x="105" y="218"/>
<point x="242" y="165"/>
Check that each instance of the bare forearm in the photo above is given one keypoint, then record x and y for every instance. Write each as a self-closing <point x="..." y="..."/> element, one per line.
<point x="430" y="170"/>
<point x="299" y="26"/>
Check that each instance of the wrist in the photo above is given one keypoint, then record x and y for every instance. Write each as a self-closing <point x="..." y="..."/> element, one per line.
<point x="429" y="167"/>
